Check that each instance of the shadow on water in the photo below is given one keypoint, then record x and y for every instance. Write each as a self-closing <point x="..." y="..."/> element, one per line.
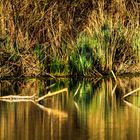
<point x="87" y="111"/>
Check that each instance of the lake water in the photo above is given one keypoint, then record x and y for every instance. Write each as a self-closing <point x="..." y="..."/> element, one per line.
<point x="86" y="109"/>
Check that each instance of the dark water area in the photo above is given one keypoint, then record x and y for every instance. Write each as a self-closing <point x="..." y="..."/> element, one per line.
<point x="78" y="110"/>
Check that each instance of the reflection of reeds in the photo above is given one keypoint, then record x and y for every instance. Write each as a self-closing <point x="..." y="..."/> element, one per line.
<point x="106" y="117"/>
<point x="27" y="117"/>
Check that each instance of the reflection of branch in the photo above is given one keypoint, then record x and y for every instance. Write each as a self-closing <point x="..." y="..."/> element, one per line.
<point x="77" y="90"/>
<point x="131" y="105"/>
<point x="131" y="92"/>
<point x="53" y="111"/>
<point x="76" y="105"/>
<point x="113" y="91"/>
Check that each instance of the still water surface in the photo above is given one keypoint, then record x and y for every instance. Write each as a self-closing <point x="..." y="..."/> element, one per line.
<point x="83" y="110"/>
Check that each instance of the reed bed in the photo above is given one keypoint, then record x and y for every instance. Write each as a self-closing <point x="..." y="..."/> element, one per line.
<point x="86" y="38"/>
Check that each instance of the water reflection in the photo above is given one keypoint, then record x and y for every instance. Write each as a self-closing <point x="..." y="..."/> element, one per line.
<point x="87" y="111"/>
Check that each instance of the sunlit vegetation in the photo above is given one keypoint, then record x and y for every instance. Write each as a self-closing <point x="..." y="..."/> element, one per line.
<point x="79" y="38"/>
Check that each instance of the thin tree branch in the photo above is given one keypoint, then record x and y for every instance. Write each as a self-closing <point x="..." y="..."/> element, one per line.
<point x="17" y="97"/>
<point x="128" y="94"/>
<point x="51" y="94"/>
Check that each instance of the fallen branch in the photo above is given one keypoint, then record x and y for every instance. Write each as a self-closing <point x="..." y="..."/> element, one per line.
<point x="128" y="94"/>
<point x="16" y="100"/>
<point x="51" y="94"/>
<point x="98" y="72"/>
<point x="17" y="97"/>
<point x="47" y="74"/>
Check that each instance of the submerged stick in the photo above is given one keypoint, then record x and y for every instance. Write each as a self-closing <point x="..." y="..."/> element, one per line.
<point x="128" y="94"/>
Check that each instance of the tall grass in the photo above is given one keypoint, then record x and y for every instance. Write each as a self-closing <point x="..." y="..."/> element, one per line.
<point x="90" y="36"/>
<point x="80" y="60"/>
